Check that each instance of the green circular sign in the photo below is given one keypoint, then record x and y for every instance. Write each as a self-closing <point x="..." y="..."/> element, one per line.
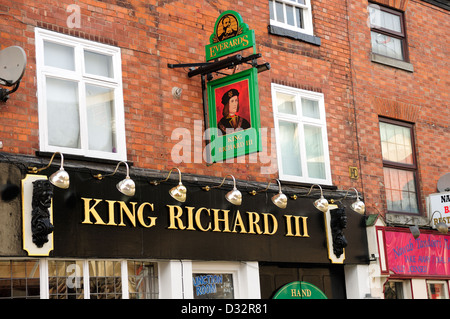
<point x="299" y="290"/>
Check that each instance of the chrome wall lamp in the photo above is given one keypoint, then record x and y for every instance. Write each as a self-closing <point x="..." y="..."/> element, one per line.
<point x="234" y="196"/>
<point x="178" y="192"/>
<point x="440" y="226"/>
<point x="415" y="230"/>
<point x="358" y="205"/>
<point x="321" y="203"/>
<point x="279" y="199"/>
<point x="125" y="186"/>
<point x="60" y="178"/>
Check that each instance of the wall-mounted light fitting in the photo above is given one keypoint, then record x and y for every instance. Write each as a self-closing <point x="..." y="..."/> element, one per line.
<point x="415" y="231"/>
<point x="234" y="196"/>
<point x="125" y="186"/>
<point x="321" y="203"/>
<point x="358" y="205"/>
<point x="279" y="199"/>
<point x="178" y="192"/>
<point x="440" y="226"/>
<point x="60" y="178"/>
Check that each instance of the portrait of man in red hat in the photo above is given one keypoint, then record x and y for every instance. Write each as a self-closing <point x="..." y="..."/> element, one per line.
<point x="232" y="102"/>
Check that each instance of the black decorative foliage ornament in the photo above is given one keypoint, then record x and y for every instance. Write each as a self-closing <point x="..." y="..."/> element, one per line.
<point x="41" y="225"/>
<point x="337" y="224"/>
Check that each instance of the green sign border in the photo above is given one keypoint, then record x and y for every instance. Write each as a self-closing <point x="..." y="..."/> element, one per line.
<point x="285" y="292"/>
<point x="244" y="39"/>
<point x="230" y="145"/>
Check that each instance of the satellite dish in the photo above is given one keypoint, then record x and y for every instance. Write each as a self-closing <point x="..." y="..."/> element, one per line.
<point x="13" y="61"/>
<point x="12" y="65"/>
<point x="443" y="184"/>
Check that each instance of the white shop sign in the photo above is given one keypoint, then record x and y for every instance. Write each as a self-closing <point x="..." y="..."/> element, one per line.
<point x="439" y="202"/>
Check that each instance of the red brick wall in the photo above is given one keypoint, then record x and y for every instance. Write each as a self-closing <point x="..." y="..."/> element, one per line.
<point x="420" y="97"/>
<point x="153" y="34"/>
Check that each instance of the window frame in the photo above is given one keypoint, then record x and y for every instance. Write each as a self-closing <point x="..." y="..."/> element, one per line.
<point x="307" y="16"/>
<point x="405" y="288"/>
<point x="82" y="78"/>
<point x="391" y="33"/>
<point x="77" y="272"/>
<point x="445" y="285"/>
<point x="300" y="120"/>
<point x="402" y="166"/>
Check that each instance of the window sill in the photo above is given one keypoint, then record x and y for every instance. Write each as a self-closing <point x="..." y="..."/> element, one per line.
<point x="81" y="158"/>
<point x="406" y="66"/>
<point x="404" y="219"/>
<point x="294" y="35"/>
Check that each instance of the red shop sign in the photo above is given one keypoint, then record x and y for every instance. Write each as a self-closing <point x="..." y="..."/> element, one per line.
<point x="428" y="255"/>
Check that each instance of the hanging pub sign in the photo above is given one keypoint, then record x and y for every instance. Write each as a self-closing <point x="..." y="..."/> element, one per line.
<point x="233" y="101"/>
<point x="230" y="35"/>
<point x="234" y="118"/>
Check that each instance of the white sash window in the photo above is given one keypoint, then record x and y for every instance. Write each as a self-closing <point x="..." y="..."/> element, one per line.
<point x="80" y="96"/>
<point x="301" y="135"/>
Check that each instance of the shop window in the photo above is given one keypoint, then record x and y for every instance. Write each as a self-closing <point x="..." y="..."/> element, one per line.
<point x="65" y="279"/>
<point x="387" y="29"/>
<point x="301" y="135"/>
<point x="105" y="279"/>
<point x="399" y="166"/>
<point x="142" y="280"/>
<point x="80" y="97"/>
<point x="437" y="290"/>
<point x="19" y="279"/>
<point x="213" y="286"/>
<point x="291" y="14"/>
<point x="394" y="290"/>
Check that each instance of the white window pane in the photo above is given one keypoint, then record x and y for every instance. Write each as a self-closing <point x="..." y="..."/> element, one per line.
<point x="98" y="64"/>
<point x="101" y="118"/>
<point x="272" y="14"/>
<point x="386" y="20"/>
<point x="286" y="103"/>
<point x="400" y="189"/>
<point x="59" y="56"/>
<point x="314" y="151"/>
<point x="301" y="1"/>
<point x="396" y="143"/>
<point x="299" y="17"/>
<point x="374" y="15"/>
<point x="63" y="113"/>
<point x="386" y="45"/>
<point x="290" y="151"/>
<point x="390" y="21"/>
<point x="279" y="11"/>
<point x="310" y="108"/>
<point x="290" y="15"/>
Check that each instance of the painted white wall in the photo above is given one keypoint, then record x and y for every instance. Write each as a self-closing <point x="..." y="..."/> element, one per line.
<point x="357" y="281"/>
<point x="419" y="288"/>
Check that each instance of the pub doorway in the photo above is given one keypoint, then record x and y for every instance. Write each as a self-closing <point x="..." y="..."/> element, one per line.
<point x="328" y="278"/>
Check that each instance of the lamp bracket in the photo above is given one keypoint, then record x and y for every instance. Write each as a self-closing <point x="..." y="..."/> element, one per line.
<point x="4" y="93"/>
<point x="211" y="67"/>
